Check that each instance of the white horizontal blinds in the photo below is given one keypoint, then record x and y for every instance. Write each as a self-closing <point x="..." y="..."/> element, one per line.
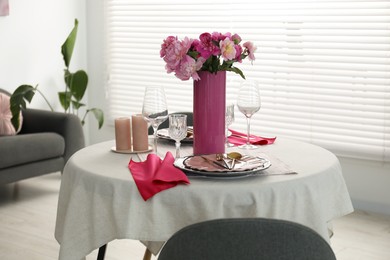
<point x="323" y="66"/>
<point x="136" y="30"/>
<point x="325" y="75"/>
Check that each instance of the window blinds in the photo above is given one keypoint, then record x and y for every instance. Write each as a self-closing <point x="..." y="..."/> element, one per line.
<point x="323" y="66"/>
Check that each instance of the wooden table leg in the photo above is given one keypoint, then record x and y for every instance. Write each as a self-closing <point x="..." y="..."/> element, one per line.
<point x="147" y="255"/>
<point x="102" y="252"/>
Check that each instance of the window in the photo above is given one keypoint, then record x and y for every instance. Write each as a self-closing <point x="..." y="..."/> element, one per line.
<point x="323" y="66"/>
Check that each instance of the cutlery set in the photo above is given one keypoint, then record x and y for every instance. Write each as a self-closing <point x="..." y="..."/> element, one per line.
<point x="227" y="162"/>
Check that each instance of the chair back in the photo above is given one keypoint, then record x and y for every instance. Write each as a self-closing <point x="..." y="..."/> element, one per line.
<point x="246" y="239"/>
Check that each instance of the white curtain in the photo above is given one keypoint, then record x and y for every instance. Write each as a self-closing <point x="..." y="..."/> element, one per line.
<point x="323" y="66"/>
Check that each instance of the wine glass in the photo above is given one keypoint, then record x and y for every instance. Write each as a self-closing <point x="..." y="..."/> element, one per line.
<point x="154" y="109"/>
<point x="229" y="119"/>
<point x="248" y="103"/>
<point x="177" y="129"/>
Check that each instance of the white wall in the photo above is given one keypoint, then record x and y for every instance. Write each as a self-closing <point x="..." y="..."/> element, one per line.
<point x="96" y="68"/>
<point x="30" y="45"/>
<point x="368" y="183"/>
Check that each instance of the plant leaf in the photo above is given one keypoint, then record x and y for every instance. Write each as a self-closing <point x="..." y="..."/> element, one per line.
<point x="77" y="104"/>
<point x="236" y="70"/>
<point x="77" y="83"/>
<point x="65" y="98"/>
<point x="67" y="78"/>
<point x="99" y="115"/>
<point x="68" y="45"/>
<point x="193" y="54"/>
<point x="214" y="64"/>
<point x="18" y="101"/>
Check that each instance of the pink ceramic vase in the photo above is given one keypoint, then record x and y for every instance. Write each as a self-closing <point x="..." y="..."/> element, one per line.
<point x="209" y="113"/>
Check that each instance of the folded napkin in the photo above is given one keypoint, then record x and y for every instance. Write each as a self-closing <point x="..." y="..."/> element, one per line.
<point x="238" y="138"/>
<point x="155" y="175"/>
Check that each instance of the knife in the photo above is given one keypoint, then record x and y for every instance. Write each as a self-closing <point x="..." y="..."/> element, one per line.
<point x="214" y="162"/>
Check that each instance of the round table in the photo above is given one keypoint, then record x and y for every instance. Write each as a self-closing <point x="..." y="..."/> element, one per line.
<point x="99" y="201"/>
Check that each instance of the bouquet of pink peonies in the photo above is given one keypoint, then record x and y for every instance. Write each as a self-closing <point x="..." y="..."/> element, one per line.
<point x="212" y="52"/>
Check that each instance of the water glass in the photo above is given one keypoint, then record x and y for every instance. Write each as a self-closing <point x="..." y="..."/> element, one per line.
<point x="177" y="129"/>
<point x="248" y="103"/>
<point x="229" y="119"/>
<point x="155" y="109"/>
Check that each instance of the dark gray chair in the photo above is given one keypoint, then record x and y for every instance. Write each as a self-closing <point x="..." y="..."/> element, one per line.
<point x="246" y="239"/>
<point x="165" y="124"/>
<point x="45" y="143"/>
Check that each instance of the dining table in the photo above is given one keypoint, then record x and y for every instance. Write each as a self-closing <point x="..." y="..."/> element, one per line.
<point x="99" y="200"/>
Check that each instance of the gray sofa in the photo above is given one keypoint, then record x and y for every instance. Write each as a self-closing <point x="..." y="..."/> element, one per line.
<point x="45" y="143"/>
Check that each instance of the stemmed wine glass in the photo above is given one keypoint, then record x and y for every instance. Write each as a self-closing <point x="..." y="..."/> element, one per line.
<point x="229" y="119"/>
<point x="177" y="129"/>
<point x="248" y="102"/>
<point x="155" y="109"/>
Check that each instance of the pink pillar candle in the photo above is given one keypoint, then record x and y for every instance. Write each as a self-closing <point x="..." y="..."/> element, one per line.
<point x="140" y="133"/>
<point x="123" y="133"/>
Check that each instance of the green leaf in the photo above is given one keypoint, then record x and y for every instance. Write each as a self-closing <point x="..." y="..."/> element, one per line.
<point x="77" y="104"/>
<point x="236" y="70"/>
<point x="18" y="101"/>
<point x="214" y="64"/>
<point x="193" y="54"/>
<point x="99" y="115"/>
<point x="65" y="98"/>
<point x="68" y="46"/>
<point x="77" y="83"/>
<point x="67" y="77"/>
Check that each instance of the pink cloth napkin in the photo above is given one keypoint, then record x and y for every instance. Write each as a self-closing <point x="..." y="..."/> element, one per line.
<point x="238" y="138"/>
<point x="155" y="175"/>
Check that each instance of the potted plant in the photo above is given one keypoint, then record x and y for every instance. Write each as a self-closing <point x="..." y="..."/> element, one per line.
<point x="70" y="99"/>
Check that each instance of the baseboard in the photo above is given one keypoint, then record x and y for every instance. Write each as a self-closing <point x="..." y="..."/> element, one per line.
<point x="372" y="207"/>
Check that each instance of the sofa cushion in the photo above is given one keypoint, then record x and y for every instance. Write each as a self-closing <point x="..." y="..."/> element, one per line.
<point x="26" y="148"/>
<point x="6" y="127"/>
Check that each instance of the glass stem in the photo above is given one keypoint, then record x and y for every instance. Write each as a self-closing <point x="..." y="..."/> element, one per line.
<point x="177" y="144"/>
<point x="155" y="138"/>
<point x="248" y="123"/>
<point x="226" y="136"/>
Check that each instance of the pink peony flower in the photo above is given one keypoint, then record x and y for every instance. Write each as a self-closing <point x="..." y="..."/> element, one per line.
<point x="238" y="53"/>
<point x="206" y="47"/>
<point x="228" y="51"/>
<point x="251" y="50"/>
<point x="165" y="45"/>
<point x="217" y="37"/>
<point x="236" y="38"/>
<point x="188" y="68"/>
<point x="226" y="35"/>
<point x="174" y="52"/>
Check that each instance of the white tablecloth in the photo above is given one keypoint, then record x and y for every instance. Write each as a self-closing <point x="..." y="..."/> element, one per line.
<point x="99" y="201"/>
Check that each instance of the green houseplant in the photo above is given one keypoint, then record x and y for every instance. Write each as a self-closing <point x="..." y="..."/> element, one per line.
<point x="70" y="99"/>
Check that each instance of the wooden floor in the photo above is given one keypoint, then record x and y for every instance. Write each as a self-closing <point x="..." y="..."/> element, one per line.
<point x="28" y="212"/>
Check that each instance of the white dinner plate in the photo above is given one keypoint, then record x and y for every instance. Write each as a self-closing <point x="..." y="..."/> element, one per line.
<point x="180" y="163"/>
<point x="163" y="133"/>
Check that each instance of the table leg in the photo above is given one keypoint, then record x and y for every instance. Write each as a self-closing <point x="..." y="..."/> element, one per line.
<point x="102" y="252"/>
<point x="147" y="255"/>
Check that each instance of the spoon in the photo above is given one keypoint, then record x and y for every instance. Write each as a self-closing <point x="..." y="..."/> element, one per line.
<point x="234" y="155"/>
<point x="220" y="157"/>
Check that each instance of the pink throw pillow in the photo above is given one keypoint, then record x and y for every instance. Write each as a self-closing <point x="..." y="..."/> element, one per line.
<point x="6" y="127"/>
